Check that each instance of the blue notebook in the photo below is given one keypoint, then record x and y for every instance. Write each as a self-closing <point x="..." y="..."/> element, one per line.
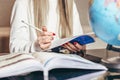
<point x="82" y="40"/>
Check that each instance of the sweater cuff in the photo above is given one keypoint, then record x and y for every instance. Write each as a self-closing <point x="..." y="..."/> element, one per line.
<point x="35" y="48"/>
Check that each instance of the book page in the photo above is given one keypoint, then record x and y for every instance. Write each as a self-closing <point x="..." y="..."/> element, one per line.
<point x="56" y="60"/>
<point x="43" y="57"/>
<point x="59" y="42"/>
<point x="17" y="64"/>
<point x="89" y="76"/>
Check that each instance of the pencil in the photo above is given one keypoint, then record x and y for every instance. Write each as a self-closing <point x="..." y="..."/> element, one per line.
<point x="31" y="26"/>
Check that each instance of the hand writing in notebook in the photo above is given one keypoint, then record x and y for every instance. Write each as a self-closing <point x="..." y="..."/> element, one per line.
<point x="44" y="38"/>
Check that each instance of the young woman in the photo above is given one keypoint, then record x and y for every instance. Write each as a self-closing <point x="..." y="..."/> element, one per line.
<point x="56" y="18"/>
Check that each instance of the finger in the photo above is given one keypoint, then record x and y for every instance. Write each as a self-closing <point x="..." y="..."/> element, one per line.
<point x="78" y="46"/>
<point x="81" y="49"/>
<point x="47" y="34"/>
<point x="70" y="47"/>
<point x="45" y="39"/>
<point x="84" y="47"/>
<point x="45" y="46"/>
<point x="44" y="29"/>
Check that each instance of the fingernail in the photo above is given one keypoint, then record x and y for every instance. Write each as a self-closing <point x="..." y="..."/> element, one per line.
<point x="53" y="34"/>
<point x="63" y="45"/>
<point x="66" y="43"/>
<point x="75" y="43"/>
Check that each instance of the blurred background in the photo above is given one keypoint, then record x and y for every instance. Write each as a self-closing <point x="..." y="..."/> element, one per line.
<point x="5" y="12"/>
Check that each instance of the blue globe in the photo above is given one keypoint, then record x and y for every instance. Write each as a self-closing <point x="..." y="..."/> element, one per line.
<point x="104" y="17"/>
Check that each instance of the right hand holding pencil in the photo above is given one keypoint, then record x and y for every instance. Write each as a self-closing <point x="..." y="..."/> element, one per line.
<point x="44" y="39"/>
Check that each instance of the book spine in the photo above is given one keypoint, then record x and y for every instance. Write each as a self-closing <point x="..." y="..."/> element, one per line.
<point x="45" y="74"/>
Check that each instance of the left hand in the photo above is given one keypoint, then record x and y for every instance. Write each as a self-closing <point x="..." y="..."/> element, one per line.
<point x="75" y="47"/>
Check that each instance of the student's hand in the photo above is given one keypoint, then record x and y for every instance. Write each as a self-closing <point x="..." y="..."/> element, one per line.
<point x="44" y="39"/>
<point x="75" y="47"/>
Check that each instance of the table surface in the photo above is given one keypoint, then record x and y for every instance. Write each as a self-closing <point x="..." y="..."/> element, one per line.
<point x="106" y="54"/>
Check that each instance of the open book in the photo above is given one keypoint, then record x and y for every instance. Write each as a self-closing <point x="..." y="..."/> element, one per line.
<point x="17" y="64"/>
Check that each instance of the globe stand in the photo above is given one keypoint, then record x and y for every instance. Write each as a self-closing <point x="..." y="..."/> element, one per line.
<point x="113" y="64"/>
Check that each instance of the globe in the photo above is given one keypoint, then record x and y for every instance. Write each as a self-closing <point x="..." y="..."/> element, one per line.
<point x="104" y="17"/>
